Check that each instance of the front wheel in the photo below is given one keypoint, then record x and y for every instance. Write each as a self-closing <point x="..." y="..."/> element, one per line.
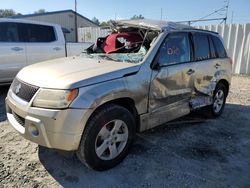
<point x="107" y="137"/>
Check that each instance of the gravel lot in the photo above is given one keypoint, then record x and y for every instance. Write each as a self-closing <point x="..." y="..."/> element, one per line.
<point x="194" y="151"/>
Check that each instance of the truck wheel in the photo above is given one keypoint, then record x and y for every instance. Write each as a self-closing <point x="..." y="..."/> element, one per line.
<point x="107" y="137"/>
<point x="219" y="100"/>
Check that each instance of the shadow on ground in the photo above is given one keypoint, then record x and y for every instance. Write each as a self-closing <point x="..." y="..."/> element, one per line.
<point x="3" y="94"/>
<point x="192" y="151"/>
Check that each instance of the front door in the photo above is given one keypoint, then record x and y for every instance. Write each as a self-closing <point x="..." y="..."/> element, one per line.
<point x="172" y="84"/>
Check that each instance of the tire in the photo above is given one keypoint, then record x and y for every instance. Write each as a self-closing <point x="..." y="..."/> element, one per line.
<point x="107" y="137"/>
<point x="219" y="100"/>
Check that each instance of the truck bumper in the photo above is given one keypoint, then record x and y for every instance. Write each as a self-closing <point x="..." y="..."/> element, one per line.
<point x="59" y="129"/>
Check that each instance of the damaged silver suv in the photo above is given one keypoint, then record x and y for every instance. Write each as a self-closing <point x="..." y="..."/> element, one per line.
<point x="143" y="74"/>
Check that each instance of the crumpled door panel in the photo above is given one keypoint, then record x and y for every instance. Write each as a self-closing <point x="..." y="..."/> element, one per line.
<point x="171" y="84"/>
<point x="206" y="78"/>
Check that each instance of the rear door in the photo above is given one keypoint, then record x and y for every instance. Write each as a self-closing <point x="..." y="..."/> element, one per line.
<point x="223" y="61"/>
<point x="12" y="51"/>
<point x="42" y="43"/>
<point x="206" y="63"/>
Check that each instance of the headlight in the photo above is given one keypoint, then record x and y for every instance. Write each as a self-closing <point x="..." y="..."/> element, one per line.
<point x="48" y="98"/>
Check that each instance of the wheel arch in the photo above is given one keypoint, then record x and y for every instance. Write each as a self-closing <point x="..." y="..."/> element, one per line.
<point x="225" y="83"/>
<point x="125" y="102"/>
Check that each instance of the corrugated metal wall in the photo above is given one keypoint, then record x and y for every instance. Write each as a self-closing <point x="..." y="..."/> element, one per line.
<point x="236" y="38"/>
<point x="237" y="41"/>
<point x="65" y="19"/>
<point x="90" y="34"/>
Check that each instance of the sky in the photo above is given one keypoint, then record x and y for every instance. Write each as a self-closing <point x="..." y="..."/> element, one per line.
<point x="172" y="10"/>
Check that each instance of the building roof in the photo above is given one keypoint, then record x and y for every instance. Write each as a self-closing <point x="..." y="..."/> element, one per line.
<point x="10" y="19"/>
<point x="54" y="12"/>
<point x="152" y="24"/>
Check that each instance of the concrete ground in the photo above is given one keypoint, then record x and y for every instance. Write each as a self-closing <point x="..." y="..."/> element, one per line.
<point x="194" y="151"/>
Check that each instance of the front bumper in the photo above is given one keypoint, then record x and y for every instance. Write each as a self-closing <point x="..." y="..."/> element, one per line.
<point x="59" y="129"/>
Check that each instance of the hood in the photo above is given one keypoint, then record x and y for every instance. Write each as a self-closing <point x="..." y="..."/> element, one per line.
<point x="74" y="72"/>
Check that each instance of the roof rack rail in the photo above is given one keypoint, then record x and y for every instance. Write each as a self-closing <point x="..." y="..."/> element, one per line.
<point x="195" y="29"/>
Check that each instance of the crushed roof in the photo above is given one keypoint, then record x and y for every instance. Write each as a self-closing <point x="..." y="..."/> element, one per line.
<point x="152" y="24"/>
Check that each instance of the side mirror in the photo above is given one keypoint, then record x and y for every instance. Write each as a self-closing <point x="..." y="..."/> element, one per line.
<point x="155" y="65"/>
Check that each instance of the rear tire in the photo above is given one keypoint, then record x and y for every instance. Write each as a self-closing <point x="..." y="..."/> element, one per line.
<point x="219" y="100"/>
<point x="107" y="137"/>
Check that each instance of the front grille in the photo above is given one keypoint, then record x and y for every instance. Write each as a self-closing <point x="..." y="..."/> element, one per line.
<point x="19" y="119"/>
<point x="23" y="90"/>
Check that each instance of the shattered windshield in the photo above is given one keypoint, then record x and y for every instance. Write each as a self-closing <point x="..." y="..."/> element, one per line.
<point x="123" y="45"/>
<point x="120" y="57"/>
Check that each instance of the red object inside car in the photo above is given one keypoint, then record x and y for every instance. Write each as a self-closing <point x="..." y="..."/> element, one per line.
<point x="116" y="41"/>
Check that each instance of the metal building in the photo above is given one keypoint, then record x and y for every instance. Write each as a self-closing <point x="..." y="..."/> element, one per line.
<point x="65" y="18"/>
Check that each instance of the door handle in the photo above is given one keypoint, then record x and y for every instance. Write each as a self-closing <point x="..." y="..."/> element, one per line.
<point x="17" y="49"/>
<point x="57" y="48"/>
<point x="217" y="65"/>
<point x="190" y="71"/>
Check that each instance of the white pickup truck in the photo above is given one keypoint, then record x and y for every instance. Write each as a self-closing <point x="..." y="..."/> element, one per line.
<point x="24" y="42"/>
